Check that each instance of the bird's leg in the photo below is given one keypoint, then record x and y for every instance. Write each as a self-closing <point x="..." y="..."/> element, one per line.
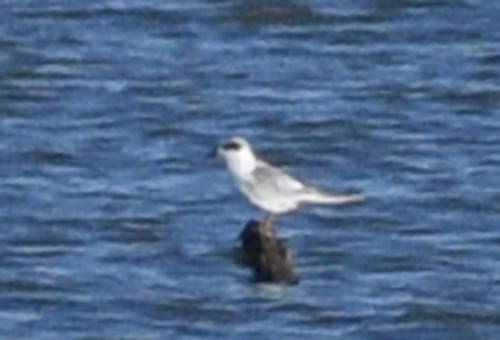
<point x="268" y="219"/>
<point x="267" y="224"/>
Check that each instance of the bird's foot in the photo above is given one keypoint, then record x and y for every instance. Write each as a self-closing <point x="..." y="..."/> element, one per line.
<point x="267" y="226"/>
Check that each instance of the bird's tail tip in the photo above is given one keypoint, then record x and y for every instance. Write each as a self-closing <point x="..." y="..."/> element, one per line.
<point x="346" y="198"/>
<point x="335" y="198"/>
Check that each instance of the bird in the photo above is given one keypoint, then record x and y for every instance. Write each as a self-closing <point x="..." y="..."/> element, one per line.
<point x="270" y="188"/>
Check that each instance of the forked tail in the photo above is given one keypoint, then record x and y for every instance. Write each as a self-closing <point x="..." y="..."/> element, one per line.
<point x="320" y="197"/>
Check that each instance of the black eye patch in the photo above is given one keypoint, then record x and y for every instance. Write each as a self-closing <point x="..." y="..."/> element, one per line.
<point x="231" y="146"/>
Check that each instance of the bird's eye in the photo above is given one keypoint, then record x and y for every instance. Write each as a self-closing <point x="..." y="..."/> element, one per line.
<point x="232" y="146"/>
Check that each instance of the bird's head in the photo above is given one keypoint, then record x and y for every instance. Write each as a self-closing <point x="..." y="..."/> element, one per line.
<point x="239" y="156"/>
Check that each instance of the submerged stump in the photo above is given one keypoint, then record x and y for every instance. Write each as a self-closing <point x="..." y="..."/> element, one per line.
<point x="266" y="254"/>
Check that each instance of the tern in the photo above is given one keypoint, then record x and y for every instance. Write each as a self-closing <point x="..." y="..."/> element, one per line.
<point x="270" y="188"/>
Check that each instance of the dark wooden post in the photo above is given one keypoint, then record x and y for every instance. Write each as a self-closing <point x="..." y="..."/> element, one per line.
<point x="266" y="254"/>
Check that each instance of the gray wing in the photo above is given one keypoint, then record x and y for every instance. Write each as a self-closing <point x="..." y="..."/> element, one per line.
<point x="276" y="178"/>
<point x="276" y="181"/>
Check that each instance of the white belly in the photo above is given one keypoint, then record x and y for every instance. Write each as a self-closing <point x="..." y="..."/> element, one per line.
<point x="269" y="200"/>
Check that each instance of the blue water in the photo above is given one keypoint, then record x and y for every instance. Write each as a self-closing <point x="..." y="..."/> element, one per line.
<point x="114" y="224"/>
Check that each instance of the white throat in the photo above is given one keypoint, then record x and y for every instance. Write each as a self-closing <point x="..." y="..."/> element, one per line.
<point x="241" y="163"/>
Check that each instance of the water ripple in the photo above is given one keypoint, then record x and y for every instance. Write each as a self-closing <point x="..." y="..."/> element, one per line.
<point x="115" y="223"/>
